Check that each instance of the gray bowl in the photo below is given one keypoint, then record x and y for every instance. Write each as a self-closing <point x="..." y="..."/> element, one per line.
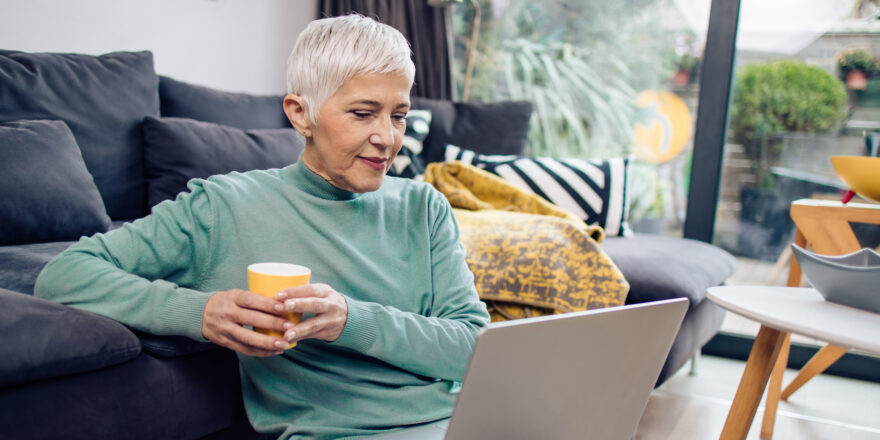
<point x="852" y="279"/>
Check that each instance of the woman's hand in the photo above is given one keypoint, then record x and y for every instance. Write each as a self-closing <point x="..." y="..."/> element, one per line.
<point x="328" y="306"/>
<point x="227" y="312"/>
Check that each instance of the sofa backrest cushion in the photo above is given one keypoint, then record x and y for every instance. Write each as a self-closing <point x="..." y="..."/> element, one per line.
<point x="180" y="149"/>
<point x="409" y="162"/>
<point x="48" y="195"/>
<point x="240" y="110"/>
<point x="490" y="128"/>
<point x="103" y="100"/>
<point x="46" y="339"/>
<point x="594" y="190"/>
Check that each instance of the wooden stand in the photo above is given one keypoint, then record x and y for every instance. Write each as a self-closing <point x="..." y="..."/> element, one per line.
<point x="823" y="225"/>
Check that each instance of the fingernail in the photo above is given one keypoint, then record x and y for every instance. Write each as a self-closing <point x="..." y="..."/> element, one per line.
<point x="290" y="305"/>
<point x="288" y="326"/>
<point x="290" y="335"/>
<point x="279" y="295"/>
<point x="279" y="308"/>
<point x="279" y="344"/>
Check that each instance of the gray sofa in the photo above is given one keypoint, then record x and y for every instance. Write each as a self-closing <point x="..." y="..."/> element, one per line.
<point x="130" y="139"/>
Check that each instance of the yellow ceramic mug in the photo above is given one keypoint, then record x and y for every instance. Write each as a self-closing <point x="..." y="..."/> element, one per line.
<point x="268" y="279"/>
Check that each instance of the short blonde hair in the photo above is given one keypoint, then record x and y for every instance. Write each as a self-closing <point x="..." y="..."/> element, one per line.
<point x="331" y="51"/>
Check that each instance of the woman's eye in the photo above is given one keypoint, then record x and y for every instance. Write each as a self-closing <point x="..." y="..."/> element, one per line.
<point x="362" y="114"/>
<point x="399" y="116"/>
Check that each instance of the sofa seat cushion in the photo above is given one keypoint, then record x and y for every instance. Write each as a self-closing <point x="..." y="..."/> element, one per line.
<point x="241" y="110"/>
<point x="659" y="267"/>
<point x="47" y="340"/>
<point x="103" y="100"/>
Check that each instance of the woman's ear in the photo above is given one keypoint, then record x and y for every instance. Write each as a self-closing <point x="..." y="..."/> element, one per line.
<point x="295" y="109"/>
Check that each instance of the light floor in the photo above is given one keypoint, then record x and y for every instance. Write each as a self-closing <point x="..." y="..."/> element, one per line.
<point x="695" y="407"/>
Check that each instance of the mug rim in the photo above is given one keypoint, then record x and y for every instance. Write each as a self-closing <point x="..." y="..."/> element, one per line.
<point x="279" y="269"/>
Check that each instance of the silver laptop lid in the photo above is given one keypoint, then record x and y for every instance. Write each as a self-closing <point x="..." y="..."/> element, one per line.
<point x="583" y="375"/>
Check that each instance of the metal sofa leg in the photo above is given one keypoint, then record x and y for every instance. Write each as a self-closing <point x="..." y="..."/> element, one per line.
<point x="694" y="361"/>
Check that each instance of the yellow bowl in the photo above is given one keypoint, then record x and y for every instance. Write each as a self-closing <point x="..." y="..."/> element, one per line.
<point x="860" y="173"/>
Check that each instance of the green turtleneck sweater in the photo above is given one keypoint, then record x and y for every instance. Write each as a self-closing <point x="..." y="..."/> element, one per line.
<point x="413" y="311"/>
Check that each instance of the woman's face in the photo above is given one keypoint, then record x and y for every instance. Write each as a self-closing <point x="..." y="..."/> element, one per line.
<point x="359" y="131"/>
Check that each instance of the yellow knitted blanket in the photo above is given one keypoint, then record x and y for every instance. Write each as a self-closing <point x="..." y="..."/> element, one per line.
<point x="529" y="257"/>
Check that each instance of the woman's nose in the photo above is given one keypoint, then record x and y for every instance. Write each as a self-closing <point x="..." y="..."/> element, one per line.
<point x="384" y="134"/>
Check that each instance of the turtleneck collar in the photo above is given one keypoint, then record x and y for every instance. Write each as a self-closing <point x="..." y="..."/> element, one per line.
<point x="308" y="181"/>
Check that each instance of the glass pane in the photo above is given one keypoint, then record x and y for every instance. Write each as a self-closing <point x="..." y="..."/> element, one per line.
<point x="607" y="79"/>
<point x="798" y="98"/>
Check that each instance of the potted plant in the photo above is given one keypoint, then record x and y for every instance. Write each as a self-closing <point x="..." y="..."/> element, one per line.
<point x="685" y="67"/>
<point x="770" y="100"/>
<point x="856" y="65"/>
<point x="685" y="58"/>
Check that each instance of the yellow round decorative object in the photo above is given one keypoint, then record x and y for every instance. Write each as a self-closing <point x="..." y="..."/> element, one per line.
<point x="669" y="129"/>
<point x="860" y="173"/>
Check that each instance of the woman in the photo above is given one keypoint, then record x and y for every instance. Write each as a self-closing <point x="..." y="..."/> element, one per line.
<point x="393" y="314"/>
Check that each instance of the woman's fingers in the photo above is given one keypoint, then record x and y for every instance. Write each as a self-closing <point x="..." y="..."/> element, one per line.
<point x="323" y="327"/>
<point x="330" y="310"/>
<point x="251" y="300"/>
<point x="260" y="319"/>
<point x="305" y="291"/>
<point x="253" y="342"/>
<point x="249" y="342"/>
<point x="227" y="312"/>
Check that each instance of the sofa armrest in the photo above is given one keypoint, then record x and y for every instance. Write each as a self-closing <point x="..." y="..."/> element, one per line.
<point x="42" y="339"/>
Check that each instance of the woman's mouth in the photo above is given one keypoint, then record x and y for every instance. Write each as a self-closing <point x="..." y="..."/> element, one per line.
<point x="376" y="163"/>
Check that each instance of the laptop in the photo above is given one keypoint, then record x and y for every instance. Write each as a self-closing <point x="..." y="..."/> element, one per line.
<point x="582" y="375"/>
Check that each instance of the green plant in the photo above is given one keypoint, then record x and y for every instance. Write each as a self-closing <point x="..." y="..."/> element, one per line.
<point x="687" y="62"/>
<point x="577" y="110"/>
<point x="777" y="97"/>
<point x="856" y="59"/>
<point x="649" y="193"/>
<point x="573" y="60"/>
<point x="686" y="51"/>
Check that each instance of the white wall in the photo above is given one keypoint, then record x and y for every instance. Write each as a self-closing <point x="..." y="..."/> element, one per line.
<point x="236" y="45"/>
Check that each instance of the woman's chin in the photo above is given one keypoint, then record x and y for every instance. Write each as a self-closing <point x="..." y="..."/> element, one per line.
<point x="366" y="185"/>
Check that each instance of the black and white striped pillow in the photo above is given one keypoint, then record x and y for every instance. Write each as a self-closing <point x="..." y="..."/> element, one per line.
<point x="593" y="190"/>
<point x="409" y="162"/>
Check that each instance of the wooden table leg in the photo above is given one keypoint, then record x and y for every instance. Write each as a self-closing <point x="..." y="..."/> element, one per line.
<point x="823" y="359"/>
<point x="751" y="387"/>
<point x="774" y="388"/>
<point x="794" y="269"/>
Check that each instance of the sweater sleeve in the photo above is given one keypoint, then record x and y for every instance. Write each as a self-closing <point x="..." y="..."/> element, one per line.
<point x="437" y="345"/>
<point x="134" y="274"/>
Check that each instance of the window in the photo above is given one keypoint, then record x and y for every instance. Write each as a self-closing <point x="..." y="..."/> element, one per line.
<point x="607" y="79"/>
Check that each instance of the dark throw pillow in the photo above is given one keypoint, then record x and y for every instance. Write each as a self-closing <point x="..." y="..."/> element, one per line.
<point x="46" y="339"/>
<point x="240" y="110"/>
<point x="48" y="195"/>
<point x="593" y="190"/>
<point x="409" y="162"/>
<point x="103" y="100"/>
<point x="179" y="149"/>
<point x="490" y="128"/>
